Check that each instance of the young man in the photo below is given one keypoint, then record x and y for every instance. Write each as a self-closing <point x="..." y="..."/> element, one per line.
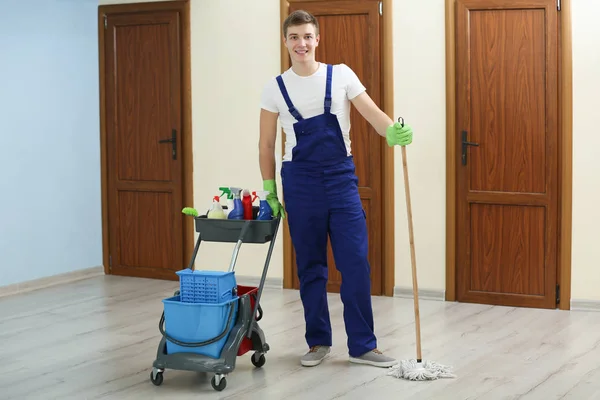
<point x="320" y="188"/>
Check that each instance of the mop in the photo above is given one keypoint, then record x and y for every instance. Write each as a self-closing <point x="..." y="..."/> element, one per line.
<point x="416" y="370"/>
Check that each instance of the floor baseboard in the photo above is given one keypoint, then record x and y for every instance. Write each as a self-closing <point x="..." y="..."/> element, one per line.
<point x="41" y="283"/>
<point x="585" y="305"/>
<point x="424" y="294"/>
<point x="271" y="283"/>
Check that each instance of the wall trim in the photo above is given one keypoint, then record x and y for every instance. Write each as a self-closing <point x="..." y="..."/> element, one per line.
<point x="585" y="305"/>
<point x="270" y="283"/>
<point x="406" y="292"/>
<point x="53" y="280"/>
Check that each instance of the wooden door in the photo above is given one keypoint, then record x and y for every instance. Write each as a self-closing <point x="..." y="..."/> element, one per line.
<point x="350" y="34"/>
<point x="507" y="197"/>
<point x="143" y="127"/>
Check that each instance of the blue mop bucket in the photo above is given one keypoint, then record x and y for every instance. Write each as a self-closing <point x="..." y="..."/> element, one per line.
<point x="188" y="324"/>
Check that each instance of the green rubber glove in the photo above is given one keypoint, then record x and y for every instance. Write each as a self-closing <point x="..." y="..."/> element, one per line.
<point x="190" y="211"/>
<point x="272" y="199"/>
<point x="397" y="134"/>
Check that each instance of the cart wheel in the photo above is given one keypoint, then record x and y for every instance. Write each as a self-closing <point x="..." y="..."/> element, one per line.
<point x="258" y="360"/>
<point x="218" y="386"/>
<point x="156" y="377"/>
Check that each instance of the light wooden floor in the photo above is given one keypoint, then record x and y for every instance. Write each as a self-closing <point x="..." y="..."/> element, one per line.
<point x="98" y="338"/>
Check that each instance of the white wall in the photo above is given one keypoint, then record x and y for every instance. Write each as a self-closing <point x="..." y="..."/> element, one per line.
<point x="246" y="54"/>
<point x="586" y="142"/>
<point x="230" y="63"/>
<point x="420" y="87"/>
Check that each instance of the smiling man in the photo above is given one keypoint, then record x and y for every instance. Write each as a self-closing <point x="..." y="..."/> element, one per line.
<point x="312" y="101"/>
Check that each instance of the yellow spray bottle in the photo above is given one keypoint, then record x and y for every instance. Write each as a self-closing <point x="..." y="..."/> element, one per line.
<point x="216" y="211"/>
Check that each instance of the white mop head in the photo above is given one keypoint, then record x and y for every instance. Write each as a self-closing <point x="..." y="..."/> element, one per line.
<point x="420" y="371"/>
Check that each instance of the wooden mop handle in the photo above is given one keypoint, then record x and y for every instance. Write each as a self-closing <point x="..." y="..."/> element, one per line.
<point x="413" y="258"/>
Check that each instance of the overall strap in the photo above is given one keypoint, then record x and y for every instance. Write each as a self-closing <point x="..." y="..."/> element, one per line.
<point x="328" y="89"/>
<point x="286" y="97"/>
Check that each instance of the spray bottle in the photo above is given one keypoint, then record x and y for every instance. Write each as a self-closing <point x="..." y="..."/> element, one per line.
<point x="264" y="210"/>
<point x="230" y="205"/>
<point x="238" y="209"/>
<point x="247" y="204"/>
<point x="216" y="211"/>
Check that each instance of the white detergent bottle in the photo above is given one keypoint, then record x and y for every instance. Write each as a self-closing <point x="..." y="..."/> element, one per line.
<point x="216" y="211"/>
<point x="230" y="205"/>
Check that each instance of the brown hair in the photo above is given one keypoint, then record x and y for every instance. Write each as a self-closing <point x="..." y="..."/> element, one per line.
<point x="299" y="17"/>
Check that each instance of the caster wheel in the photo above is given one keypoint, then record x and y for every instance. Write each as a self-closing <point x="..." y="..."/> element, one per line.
<point x="176" y="293"/>
<point x="258" y="360"/>
<point x="156" y="377"/>
<point x="218" y="386"/>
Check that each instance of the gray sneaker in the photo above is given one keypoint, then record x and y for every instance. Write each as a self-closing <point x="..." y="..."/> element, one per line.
<point x="374" y="358"/>
<point x="315" y="355"/>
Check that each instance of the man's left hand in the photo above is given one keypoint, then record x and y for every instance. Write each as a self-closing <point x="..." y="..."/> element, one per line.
<point x="398" y="135"/>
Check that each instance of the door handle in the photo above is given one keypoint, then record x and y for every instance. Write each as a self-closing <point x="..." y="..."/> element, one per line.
<point x="465" y="144"/>
<point x="173" y="142"/>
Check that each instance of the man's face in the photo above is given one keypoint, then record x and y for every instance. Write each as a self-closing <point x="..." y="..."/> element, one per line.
<point x="301" y="42"/>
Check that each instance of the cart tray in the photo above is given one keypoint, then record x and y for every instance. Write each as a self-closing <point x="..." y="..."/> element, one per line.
<point x="228" y="230"/>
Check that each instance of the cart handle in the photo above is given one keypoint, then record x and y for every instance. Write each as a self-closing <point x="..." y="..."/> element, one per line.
<point x="198" y="344"/>
<point x="259" y="310"/>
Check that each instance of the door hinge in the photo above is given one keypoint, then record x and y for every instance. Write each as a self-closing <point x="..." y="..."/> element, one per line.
<point x="105" y="21"/>
<point x="558" y="5"/>
<point x="557" y="294"/>
<point x="381" y="8"/>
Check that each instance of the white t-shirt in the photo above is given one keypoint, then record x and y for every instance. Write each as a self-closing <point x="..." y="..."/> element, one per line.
<point x="307" y="94"/>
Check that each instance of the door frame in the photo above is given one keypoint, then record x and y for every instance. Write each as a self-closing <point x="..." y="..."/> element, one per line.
<point x="387" y="159"/>
<point x="563" y="273"/>
<point x="183" y="6"/>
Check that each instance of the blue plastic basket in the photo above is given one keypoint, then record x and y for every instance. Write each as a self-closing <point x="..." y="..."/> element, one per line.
<point x="206" y="286"/>
<point x="195" y="322"/>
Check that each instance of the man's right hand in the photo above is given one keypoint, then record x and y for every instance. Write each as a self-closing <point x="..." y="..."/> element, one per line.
<point x="270" y="186"/>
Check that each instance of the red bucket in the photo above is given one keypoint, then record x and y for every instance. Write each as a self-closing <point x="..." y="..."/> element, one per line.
<point x="251" y="291"/>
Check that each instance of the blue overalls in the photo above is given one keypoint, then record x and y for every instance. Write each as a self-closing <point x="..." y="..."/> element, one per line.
<point x="320" y="191"/>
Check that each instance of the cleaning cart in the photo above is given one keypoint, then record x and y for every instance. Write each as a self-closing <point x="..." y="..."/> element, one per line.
<point x="211" y="320"/>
